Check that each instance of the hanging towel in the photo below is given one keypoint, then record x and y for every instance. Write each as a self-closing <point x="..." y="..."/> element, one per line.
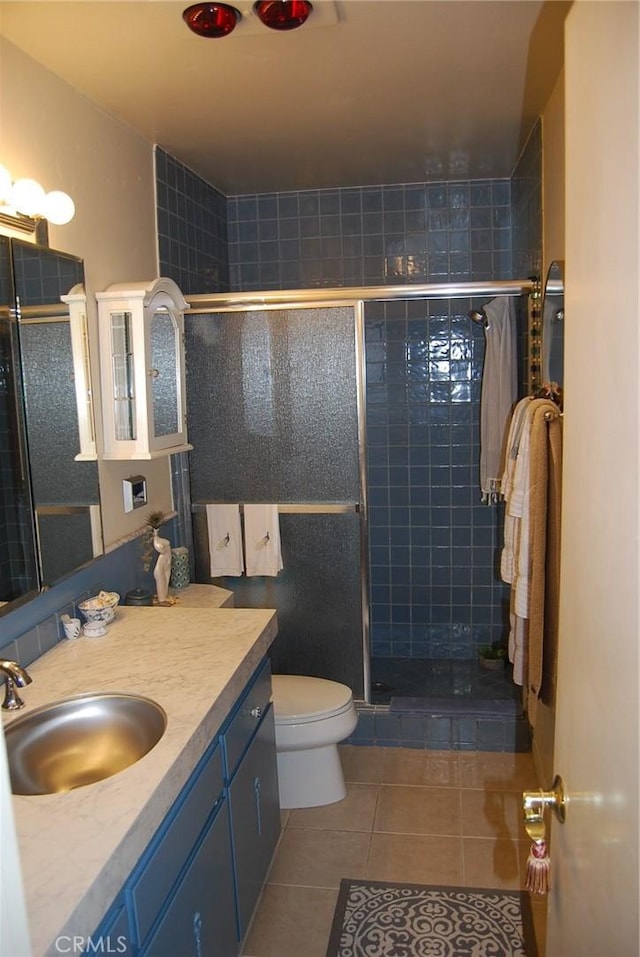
<point x="529" y="499"/>
<point x="552" y="564"/>
<point x="511" y="456"/>
<point x="518" y="649"/>
<point x="498" y="394"/>
<point x="545" y="477"/>
<point x="225" y="540"/>
<point x="262" y="540"/>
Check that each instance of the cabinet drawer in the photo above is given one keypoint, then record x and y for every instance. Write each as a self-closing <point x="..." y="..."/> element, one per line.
<point x="247" y="718"/>
<point x="199" y="919"/>
<point x="168" y="852"/>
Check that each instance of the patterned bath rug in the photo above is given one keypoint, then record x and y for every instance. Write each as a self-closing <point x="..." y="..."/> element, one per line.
<point x="381" y="919"/>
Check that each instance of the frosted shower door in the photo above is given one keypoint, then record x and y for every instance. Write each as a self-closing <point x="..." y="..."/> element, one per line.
<point x="273" y="417"/>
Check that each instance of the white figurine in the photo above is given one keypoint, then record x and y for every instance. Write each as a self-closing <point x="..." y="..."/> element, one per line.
<point x="162" y="571"/>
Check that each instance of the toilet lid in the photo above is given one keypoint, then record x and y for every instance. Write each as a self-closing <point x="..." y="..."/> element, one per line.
<point x="299" y="697"/>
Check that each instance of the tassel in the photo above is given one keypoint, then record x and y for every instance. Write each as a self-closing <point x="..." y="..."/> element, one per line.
<point x="538" y="866"/>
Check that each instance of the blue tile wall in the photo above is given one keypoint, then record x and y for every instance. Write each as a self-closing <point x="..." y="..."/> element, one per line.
<point x="527" y="207"/>
<point x="373" y="235"/>
<point x="40" y="275"/>
<point x="435" y="589"/>
<point x="192" y="228"/>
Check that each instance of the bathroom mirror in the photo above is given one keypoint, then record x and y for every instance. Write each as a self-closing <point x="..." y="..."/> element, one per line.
<point x="50" y="517"/>
<point x="552" y="350"/>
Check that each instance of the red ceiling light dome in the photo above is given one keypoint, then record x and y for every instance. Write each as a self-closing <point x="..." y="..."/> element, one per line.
<point x="283" y="14"/>
<point x="211" y="19"/>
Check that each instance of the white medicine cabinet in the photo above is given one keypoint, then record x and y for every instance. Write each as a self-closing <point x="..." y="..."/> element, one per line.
<point x="142" y="369"/>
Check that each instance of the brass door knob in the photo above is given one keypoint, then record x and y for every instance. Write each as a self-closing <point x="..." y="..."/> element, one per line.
<point x="534" y="804"/>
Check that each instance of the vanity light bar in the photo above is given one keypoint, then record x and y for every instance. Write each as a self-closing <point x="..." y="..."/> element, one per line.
<point x="26" y="203"/>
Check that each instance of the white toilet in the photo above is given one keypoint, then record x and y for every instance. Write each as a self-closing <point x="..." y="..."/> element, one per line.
<point x="311" y="715"/>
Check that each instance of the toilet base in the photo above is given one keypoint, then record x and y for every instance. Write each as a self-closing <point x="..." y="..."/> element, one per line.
<point x="310" y="778"/>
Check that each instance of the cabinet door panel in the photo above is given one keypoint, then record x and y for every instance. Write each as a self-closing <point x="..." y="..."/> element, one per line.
<point x="151" y="887"/>
<point x="113" y="936"/>
<point x="199" y="919"/>
<point x="255" y="816"/>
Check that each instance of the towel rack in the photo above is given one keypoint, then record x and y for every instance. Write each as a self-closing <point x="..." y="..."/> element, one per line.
<point x="298" y="508"/>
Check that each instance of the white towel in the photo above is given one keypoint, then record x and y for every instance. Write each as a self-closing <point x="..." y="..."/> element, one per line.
<point x="262" y="540"/>
<point x="225" y="540"/>
<point x="519" y="507"/>
<point x="511" y="532"/>
<point x="498" y="394"/>
<point x="518" y="648"/>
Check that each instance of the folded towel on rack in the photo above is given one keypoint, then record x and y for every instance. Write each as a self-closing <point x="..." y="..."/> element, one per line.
<point x="262" y="540"/>
<point x="498" y="393"/>
<point x="225" y="540"/>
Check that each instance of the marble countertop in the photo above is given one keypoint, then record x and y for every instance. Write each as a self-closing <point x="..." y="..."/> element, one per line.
<point x="77" y="849"/>
<point x="202" y="596"/>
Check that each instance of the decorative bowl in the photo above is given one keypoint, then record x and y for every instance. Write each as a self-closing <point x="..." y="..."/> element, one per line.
<point x="101" y="608"/>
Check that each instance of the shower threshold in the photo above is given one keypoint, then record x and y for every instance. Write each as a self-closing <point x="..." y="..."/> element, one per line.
<point x="443" y="687"/>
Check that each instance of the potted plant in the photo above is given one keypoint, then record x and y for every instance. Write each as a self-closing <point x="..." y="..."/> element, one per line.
<point x="153" y="522"/>
<point x="492" y="657"/>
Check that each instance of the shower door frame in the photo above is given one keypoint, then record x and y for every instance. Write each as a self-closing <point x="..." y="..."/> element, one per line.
<point x="355" y="298"/>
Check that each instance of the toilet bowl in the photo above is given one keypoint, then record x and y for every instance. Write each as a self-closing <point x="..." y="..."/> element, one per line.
<point x="311" y="716"/>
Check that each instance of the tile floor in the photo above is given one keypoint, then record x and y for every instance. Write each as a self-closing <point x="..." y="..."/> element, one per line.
<point x="429" y="817"/>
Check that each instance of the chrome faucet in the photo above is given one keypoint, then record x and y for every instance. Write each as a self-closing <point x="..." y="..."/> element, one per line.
<point x="13" y="675"/>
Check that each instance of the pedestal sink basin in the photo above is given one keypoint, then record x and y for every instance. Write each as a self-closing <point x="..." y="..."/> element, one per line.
<point x="80" y="740"/>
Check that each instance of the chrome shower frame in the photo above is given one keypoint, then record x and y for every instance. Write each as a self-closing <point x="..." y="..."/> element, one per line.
<point x="355" y="297"/>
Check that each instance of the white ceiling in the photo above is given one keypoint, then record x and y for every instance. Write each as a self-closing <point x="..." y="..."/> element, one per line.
<point x="366" y="92"/>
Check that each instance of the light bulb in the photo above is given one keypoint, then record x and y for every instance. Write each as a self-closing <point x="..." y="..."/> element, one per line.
<point x="58" y="207"/>
<point x="5" y="184"/>
<point x="283" y="14"/>
<point x="27" y="196"/>
<point x="211" y="19"/>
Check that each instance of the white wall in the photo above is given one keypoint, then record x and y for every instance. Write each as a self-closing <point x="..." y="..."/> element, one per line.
<point x="553" y="178"/>
<point x="53" y="134"/>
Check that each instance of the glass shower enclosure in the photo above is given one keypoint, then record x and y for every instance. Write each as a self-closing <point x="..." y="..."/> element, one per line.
<point x="355" y="411"/>
<point x="275" y="416"/>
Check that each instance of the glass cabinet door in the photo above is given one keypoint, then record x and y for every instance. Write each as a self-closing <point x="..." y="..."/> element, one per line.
<point x="164" y="373"/>
<point x="124" y="401"/>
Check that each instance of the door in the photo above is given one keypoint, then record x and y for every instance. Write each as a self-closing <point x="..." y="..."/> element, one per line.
<point x="274" y="416"/>
<point x="593" y="904"/>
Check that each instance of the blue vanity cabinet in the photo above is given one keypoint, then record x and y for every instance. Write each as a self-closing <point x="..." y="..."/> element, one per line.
<point x="194" y="890"/>
<point x="198" y="922"/>
<point x="252" y="786"/>
<point x="113" y="935"/>
<point x="181" y="895"/>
